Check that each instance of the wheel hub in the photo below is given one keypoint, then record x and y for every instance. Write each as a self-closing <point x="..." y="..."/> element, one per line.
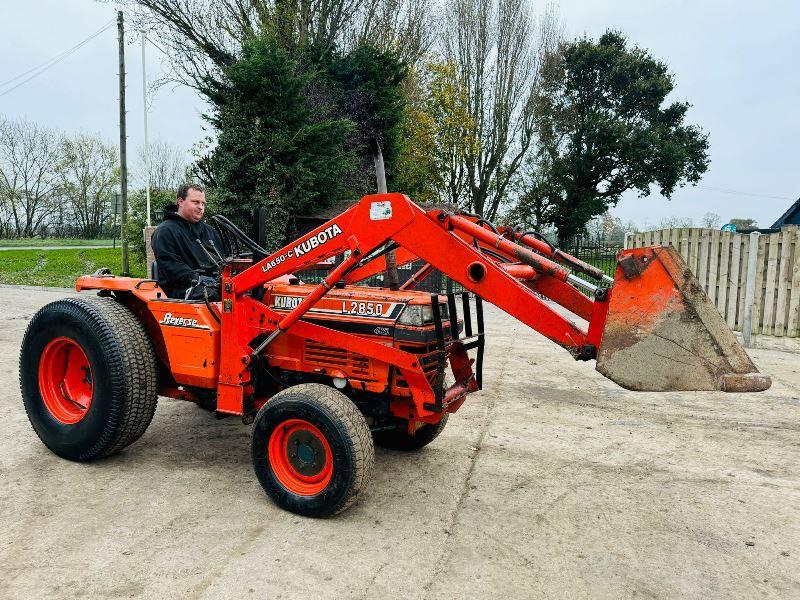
<point x="300" y="457"/>
<point x="65" y="380"/>
<point x="305" y="452"/>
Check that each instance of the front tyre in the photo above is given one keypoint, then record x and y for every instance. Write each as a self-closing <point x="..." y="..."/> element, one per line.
<point x="88" y="377"/>
<point x="312" y="450"/>
<point x="400" y="439"/>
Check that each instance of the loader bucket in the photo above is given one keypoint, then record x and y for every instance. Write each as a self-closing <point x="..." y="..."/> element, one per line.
<point x="662" y="332"/>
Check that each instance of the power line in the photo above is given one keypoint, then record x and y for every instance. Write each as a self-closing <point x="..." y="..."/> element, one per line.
<point x="38" y="70"/>
<point x="152" y="43"/>
<point x="738" y="193"/>
<point x="59" y="56"/>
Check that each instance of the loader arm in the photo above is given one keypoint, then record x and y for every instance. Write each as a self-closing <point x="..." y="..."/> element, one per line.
<point x="361" y="231"/>
<point x="511" y="269"/>
<point x="438" y="240"/>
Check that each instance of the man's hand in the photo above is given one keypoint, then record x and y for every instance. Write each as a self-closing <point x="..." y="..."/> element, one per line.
<point x="203" y="284"/>
<point x="207" y="281"/>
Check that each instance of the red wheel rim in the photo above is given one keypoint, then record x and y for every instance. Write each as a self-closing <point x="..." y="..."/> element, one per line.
<point x="65" y="380"/>
<point x="300" y="457"/>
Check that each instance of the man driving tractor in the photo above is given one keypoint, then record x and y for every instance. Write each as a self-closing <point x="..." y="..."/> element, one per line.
<point x="184" y="247"/>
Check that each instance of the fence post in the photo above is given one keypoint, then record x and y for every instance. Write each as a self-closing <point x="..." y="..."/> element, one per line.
<point x="750" y="289"/>
<point x="148" y="249"/>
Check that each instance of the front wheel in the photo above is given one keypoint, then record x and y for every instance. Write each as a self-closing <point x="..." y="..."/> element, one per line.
<point x="400" y="439"/>
<point x="312" y="450"/>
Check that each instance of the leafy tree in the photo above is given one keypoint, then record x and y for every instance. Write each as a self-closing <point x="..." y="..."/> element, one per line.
<point x="416" y="171"/>
<point x="366" y="88"/>
<point x="293" y="131"/>
<point x="297" y="92"/>
<point x="535" y="207"/>
<point x="271" y="150"/>
<point x="744" y="223"/>
<point x="437" y="135"/>
<point x="603" y="129"/>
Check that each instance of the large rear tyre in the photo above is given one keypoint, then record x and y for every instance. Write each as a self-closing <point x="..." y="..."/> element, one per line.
<point x="400" y="439"/>
<point x="88" y="377"/>
<point x="312" y="450"/>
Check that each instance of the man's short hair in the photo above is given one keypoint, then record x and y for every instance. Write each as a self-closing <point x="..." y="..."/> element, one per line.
<point x="183" y="190"/>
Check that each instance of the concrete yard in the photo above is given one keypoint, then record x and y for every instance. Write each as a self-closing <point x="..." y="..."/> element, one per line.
<point x="551" y="483"/>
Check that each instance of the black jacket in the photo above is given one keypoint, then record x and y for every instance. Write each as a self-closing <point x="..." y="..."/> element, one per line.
<point x="179" y="258"/>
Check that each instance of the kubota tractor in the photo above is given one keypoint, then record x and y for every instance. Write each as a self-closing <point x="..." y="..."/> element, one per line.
<point x="325" y="370"/>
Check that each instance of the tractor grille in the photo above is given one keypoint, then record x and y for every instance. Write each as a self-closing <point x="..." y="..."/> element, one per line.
<point x="430" y="358"/>
<point x="336" y="358"/>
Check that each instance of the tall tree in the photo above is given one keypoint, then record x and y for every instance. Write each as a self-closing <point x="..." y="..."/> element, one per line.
<point x="89" y="171"/>
<point x="438" y="132"/>
<point x="203" y="37"/>
<point x="604" y="129"/>
<point x="364" y="86"/>
<point x="314" y="62"/>
<point x="271" y="149"/>
<point x="496" y="48"/>
<point x="29" y="177"/>
<point x="167" y="164"/>
<point x="711" y="220"/>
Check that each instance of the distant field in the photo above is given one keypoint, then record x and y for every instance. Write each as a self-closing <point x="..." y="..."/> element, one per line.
<point x="53" y="242"/>
<point x="59" y="268"/>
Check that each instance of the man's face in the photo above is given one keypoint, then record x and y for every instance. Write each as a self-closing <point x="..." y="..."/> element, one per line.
<point x="193" y="207"/>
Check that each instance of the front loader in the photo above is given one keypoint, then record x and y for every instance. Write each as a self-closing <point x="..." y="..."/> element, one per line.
<point x="325" y="370"/>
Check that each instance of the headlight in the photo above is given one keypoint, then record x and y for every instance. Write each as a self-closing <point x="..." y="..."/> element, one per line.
<point x="421" y="314"/>
<point x="411" y="315"/>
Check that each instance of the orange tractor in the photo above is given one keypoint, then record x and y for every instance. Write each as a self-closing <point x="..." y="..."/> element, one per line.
<point x="325" y="370"/>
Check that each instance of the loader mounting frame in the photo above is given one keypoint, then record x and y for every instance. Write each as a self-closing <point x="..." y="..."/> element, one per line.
<point x="512" y="277"/>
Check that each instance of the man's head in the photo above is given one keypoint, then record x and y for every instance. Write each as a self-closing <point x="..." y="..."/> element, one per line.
<point x="191" y="202"/>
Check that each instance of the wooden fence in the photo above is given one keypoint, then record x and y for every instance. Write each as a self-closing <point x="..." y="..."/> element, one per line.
<point x="723" y="263"/>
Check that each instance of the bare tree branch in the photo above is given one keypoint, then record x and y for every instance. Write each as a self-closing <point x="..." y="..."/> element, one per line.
<point x="202" y="37"/>
<point x="29" y="181"/>
<point x="89" y="172"/>
<point x="167" y="166"/>
<point x="497" y="46"/>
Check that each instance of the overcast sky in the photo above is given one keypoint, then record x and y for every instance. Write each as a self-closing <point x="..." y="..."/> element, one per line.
<point x="735" y="61"/>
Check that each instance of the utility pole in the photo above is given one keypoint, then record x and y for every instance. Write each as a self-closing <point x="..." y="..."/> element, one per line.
<point x="123" y="159"/>
<point x="146" y="143"/>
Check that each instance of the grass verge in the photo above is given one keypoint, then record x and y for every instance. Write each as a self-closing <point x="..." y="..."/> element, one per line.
<point x="59" y="268"/>
<point x="30" y="242"/>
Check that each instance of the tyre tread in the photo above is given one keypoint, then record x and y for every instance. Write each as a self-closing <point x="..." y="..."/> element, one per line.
<point x="346" y="412"/>
<point x="132" y="370"/>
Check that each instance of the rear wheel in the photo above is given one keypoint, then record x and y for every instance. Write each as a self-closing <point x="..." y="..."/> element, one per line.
<point x="312" y="450"/>
<point x="400" y="439"/>
<point x="88" y="377"/>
